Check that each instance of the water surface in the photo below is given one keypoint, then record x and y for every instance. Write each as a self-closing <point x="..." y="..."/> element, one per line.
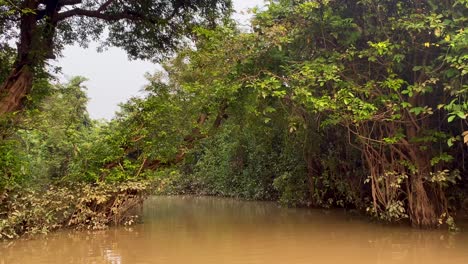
<point x="212" y="230"/>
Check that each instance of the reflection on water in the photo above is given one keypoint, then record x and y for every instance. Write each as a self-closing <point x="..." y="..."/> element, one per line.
<point x="211" y="230"/>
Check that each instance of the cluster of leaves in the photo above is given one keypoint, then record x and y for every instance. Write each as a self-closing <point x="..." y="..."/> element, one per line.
<point x="146" y="29"/>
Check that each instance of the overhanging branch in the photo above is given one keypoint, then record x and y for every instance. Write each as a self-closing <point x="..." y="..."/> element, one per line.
<point x="101" y="14"/>
<point x="96" y="14"/>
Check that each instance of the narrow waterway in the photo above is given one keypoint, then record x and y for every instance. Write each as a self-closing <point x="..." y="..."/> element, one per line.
<point x="212" y="230"/>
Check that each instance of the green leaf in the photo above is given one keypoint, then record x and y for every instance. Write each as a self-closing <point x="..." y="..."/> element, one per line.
<point x="417" y="110"/>
<point x="269" y="109"/>
<point x="461" y="115"/>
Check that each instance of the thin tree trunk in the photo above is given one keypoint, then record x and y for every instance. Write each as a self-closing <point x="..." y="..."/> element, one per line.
<point x="422" y="211"/>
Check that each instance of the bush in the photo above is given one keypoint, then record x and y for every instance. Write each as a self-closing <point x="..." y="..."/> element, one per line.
<point x="292" y="189"/>
<point x="79" y="206"/>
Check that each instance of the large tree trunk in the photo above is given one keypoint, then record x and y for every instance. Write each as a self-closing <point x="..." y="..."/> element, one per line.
<point x="35" y="46"/>
<point x="19" y="83"/>
<point x="14" y="89"/>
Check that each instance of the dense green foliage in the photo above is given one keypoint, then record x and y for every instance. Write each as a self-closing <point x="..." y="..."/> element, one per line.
<point x="326" y="103"/>
<point x="47" y="163"/>
<point x="354" y="104"/>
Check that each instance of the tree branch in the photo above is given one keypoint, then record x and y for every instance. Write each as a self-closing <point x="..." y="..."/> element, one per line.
<point x="127" y="14"/>
<point x="69" y="2"/>
<point x="96" y="14"/>
<point x="105" y="5"/>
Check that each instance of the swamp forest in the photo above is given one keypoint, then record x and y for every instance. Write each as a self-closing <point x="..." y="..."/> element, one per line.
<point x="320" y="110"/>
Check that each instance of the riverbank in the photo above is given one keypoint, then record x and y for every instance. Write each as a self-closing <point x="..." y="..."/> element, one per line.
<point x="210" y="230"/>
<point x="81" y="206"/>
<point x="26" y="212"/>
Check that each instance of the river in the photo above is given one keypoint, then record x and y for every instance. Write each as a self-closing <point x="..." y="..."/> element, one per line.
<point x="212" y="230"/>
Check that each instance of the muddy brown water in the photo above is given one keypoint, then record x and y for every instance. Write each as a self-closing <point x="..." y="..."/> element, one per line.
<point x="212" y="230"/>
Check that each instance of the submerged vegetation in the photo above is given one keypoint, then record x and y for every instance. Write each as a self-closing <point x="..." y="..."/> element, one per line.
<point x="353" y="104"/>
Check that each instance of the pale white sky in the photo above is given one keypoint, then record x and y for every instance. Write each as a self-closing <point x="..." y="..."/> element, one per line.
<point x="113" y="79"/>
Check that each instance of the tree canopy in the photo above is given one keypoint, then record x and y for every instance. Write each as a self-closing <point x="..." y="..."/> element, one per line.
<point x="145" y="29"/>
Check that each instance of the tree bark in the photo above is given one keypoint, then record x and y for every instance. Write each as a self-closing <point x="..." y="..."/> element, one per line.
<point x="422" y="209"/>
<point x="422" y="212"/>
<point x="19" y="83"/>
<point x="14" y="89"/>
